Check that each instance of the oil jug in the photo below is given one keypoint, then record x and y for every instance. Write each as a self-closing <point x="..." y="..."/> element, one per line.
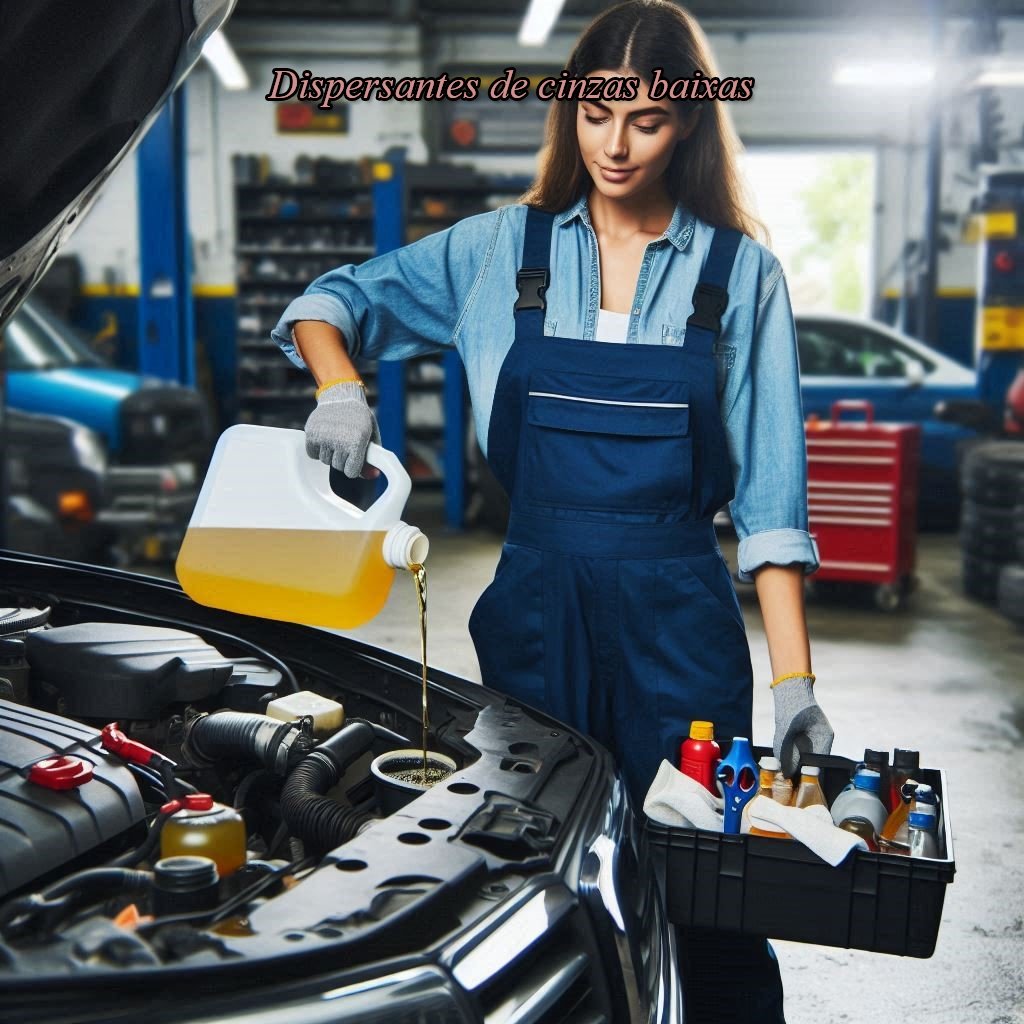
<point x="269" y="537"/>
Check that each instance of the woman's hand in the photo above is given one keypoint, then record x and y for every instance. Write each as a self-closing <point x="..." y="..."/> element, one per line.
<point x="800" y="724"/>
<point x="341" y="427"/>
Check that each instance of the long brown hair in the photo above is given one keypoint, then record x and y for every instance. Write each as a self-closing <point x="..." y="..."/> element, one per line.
<point x="636" y="37"/>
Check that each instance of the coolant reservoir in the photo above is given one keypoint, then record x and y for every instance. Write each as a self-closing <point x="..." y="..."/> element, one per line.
<point x="269" y="537"/>
<point x="205" y="828"/>
<point x="328" y="715"/>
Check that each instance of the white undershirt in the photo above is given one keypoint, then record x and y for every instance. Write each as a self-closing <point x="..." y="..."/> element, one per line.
<point x="611" y="326"/>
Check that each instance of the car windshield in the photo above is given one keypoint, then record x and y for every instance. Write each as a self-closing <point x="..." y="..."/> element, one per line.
<point x="36" y="339"/>
<point x="837" y="349"/>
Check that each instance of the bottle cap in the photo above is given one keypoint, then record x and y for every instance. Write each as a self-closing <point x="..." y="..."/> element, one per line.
<point x="925" y="795"/>
<point x="811" y="771"/>
<point x="198" y="802"/>
<point x="873" y="758"/>
<point x="770" y="764"/>
<point x="919" y="820"/>
<point x="905" y="760"/>
<point x="702" y="731"/>
<point x="869" y="780"/>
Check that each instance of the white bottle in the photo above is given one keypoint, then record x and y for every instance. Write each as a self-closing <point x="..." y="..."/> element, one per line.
<point x="923" y="841"/>
<point x="862" y="801"/>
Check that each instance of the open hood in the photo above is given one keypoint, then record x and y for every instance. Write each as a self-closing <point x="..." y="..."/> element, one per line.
<point x="82" y="84"/>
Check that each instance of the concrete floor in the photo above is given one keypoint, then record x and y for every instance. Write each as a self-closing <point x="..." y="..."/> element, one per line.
<point x="945" y="677"/>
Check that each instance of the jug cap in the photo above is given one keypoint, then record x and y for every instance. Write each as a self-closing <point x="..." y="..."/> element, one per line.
<point x="867" y="779"/>
<point x="702" y="731"/>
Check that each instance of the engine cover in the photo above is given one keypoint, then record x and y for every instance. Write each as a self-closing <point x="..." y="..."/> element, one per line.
<point x="41" y="828"/>
<point x="109" y="670"/>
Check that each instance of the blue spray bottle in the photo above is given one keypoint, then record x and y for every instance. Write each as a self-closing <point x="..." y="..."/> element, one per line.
<point x="737" y="774"/>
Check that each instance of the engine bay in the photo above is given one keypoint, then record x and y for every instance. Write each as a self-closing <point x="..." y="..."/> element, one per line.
<point x="168" y="798"/>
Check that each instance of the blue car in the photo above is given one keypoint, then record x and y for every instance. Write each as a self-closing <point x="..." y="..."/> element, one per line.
<point x="156" y="437"/>
<point x="851" y="357"/>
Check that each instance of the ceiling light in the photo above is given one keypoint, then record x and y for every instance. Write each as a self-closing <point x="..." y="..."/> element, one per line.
<point x="221" y="57"/>
<point x="1002" y="76"/>
<point x="884" y="75"/>
<point x="538" y="21"/>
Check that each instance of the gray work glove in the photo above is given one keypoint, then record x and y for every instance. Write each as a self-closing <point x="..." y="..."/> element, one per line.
<point x="341" y="427"/>
<point x="800" y="724"/>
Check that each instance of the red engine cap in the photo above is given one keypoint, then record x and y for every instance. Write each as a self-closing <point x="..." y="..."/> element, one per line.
<point x="198" y="802"/>
<point x="60" y="772"/>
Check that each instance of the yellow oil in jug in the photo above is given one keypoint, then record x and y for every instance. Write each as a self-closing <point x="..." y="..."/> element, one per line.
<point x="204" y="828"/>
<point x="332" y="578"/>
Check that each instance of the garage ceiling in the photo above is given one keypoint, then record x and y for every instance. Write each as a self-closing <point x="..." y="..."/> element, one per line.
<point x="712" y="10"/>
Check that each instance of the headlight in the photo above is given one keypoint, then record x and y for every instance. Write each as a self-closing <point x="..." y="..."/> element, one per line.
<point x="90" y="450"/>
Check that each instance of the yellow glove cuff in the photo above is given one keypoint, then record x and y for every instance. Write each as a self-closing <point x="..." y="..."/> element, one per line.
<point x="793" y="675"/>
<point x="341" y="380"/>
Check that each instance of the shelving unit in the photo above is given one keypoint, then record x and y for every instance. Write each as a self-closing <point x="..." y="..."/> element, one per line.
<point x="289" y="233"/>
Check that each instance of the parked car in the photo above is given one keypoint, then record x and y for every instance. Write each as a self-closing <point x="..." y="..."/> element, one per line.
<point x="156" y="436"/>
<point x="56" y="488"/>
<point x="904" y="379"/>
<point x="517" y="889"/>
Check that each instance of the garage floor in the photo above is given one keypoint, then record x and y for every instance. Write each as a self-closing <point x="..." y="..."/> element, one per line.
<point x="945" y="677"/>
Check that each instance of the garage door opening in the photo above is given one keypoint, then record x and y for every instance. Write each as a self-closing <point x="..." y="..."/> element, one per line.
<point x="817" y="205"/>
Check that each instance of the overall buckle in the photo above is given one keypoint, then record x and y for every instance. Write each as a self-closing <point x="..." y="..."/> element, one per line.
<point x="531" y="284"/>
<point x="709" y="303"/>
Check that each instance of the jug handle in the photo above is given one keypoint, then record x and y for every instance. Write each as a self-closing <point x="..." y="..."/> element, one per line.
<point x="391" y="504"/>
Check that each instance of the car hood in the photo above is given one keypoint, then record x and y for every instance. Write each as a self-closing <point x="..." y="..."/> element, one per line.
<point x="117" y="63"/>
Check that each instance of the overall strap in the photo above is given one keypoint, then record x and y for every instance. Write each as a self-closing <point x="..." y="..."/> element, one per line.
<point x="710" y="298"/>
<point x="534" y="275"/>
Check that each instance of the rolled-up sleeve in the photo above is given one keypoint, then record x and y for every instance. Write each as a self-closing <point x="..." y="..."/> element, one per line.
<point x="765" y="430"/>
<point x="403" y="303"/>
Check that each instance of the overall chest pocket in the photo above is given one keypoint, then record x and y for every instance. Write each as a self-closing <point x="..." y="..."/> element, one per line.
<point x="607" y="444"/>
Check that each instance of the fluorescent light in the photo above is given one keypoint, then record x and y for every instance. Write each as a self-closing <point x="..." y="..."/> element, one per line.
<point x="884" y="75"/>
<point x="538" y="21"/>
<point x="1007" y="76"/>
<point x="221" y="57"/>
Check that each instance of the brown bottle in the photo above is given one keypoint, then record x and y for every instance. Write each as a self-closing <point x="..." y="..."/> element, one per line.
<point x="810" y="793"/>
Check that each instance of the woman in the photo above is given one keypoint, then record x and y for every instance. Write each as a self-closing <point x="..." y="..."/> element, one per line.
<point x="612" y="607"/>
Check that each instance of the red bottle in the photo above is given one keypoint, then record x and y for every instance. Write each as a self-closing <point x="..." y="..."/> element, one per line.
<point x="700" y="754"/>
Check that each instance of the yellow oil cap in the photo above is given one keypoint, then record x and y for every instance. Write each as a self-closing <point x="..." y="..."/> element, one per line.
<point x="702" y="731"/>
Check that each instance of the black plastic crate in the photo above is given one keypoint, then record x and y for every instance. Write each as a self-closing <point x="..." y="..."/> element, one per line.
<point x="778" y="888"/>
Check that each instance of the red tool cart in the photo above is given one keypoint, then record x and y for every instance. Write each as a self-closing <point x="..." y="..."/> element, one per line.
<point x="862" y="480"/>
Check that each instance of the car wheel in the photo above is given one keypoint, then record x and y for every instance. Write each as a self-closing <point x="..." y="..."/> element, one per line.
<point x="1010" y="594"/>
<point x="988" y="531"/>
<point x="980" y="577"/>
<point x="993" y="474"/>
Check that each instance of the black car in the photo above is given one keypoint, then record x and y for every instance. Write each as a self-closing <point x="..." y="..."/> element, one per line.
<point x="519" y="889"/>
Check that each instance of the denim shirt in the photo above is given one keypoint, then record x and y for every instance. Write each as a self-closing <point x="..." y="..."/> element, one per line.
<point x="456" y="288"/>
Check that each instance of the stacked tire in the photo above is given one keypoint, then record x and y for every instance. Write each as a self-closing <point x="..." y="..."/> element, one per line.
<point x="992" y="525"/>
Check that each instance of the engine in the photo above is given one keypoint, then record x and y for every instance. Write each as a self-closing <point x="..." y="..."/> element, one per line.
<point x="142" y="767"/>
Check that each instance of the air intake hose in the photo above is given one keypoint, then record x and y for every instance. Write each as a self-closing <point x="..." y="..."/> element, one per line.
<point x="238" y="734"/>
<point x="316" y="820"/>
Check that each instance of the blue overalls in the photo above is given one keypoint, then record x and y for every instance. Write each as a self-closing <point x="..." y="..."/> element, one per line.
<point x="612" y="608"/>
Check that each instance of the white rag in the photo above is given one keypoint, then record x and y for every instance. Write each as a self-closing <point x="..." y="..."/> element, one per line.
<point x="812" y="826"/>
<point x="677" y="800"/>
